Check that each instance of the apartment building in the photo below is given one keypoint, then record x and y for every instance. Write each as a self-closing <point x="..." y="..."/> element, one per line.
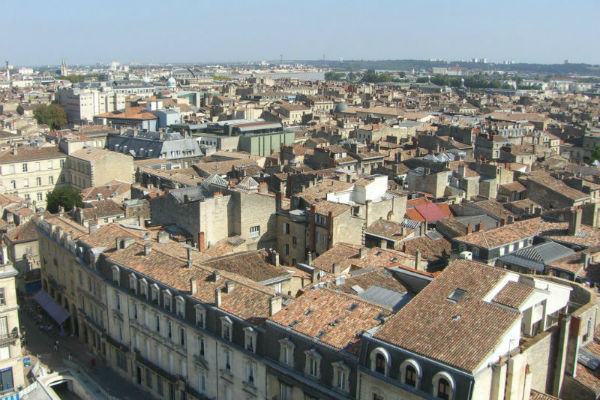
<point x="31" y="172"/>
<point x="82" y="104"/>
<point x="12" y="377"/>
<point x="178" y="329"/>
<point x="91" y="166"/>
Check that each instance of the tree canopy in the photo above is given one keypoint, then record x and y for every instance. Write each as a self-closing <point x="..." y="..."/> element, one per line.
<point x="66" y="196"/>
<point x="52" y="115"/>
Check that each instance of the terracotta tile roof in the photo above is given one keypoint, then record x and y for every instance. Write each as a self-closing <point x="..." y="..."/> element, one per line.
<point x="325" y="207"/>
<point x="250" y="264"/>
<point x="102" y="209"/>
<point x="370" y="277"/>
<point x="26" y="232"/>
<point x="129" y="113"/>
<point x="558" y="231"/>
<point x="431" y="212"/>
<point x="389" y="229"/>
<point x="27" y="153"/>
<point x="348" y="256"/>
<point x="544" y="179"/>
<point x="111" y="189"/>
<point x="433" y="251"/>
<point x="500" y="236"/>
<point x="514" y="294"/>
<point x="92" y="154"/>
<point x="574" y="263"/>
<point x="415" y="215"/>
<point x="535" y="395"/>
<point x="331" y="317"/>
<point x="460" y="333"/>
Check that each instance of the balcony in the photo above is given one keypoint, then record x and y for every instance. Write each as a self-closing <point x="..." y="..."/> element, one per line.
<point x="9" y="337"/>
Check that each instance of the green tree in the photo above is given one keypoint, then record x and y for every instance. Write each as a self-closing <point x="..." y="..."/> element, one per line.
<point x="20" y="110"/>
<point x="52" y="115"/>
<point x="66" y="196"/>
<point x="595" y="155"/>
<point x="334" y="76"/>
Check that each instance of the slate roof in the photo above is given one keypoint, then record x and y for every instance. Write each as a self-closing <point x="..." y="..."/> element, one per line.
<point x="461" y="334"/>
<point x="538" y="256"/>
<point x="248" y="184"/>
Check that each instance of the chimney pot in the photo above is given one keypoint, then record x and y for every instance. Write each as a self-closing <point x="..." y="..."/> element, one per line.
<point x="147" y="248"/>
<point x="218" y="297"/>
<point x="193" y="286"/>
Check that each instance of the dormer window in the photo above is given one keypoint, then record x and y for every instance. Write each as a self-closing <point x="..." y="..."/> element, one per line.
<point x="200" y="316"/>
<point x="226" y="328"/>
<point x="410" y="373"/>
<point x="380" y="361"/>
<point x="312" y="366"/>
<point x="456" y="295"/>
<point x="250" y="339"/>
<point x="116" y="275"/>
<point x="155" y="291"/>
<point x="443" y="386"/>
<point x="167" y="300"/>
<point x="133" y="283"/>
<point x="286" y="352"/>
<point x="144" y="287"/>
<point x="341" y="373"/>
<point x="180" y="306"/>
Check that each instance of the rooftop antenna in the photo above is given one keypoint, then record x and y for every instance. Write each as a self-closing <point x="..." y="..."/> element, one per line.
<point x="7" y="71"/>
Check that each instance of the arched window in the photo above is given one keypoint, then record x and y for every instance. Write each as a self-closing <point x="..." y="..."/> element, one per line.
<point x="443" y="386"/>
<point x="380" y="361"/>
<point x="410" y="373"/>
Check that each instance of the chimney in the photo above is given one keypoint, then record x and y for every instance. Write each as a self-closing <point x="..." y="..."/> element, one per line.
<point x="502" y="221"/>
<point x="163" y="237"/>
<point x="275" y="304"/>
<point x="216" y="275"/>
<point x="337" y="268"/>
<point x="418" y="263"/>
<point x="189" y="256"/>
<point x="308" y="257"/>
<point x="574" y="221"/>
<point x="479" y="226"/>
<point x="362" y="252"/>
<point x="538" y="211"/>
<point x="586" y="260"/>
<point x="193" y="286"/>
<point x="229" y="286"/>
<point x="147" y="248"/>
<point x="315" y="275"/>
<point x="263" y="188"/>
<point x="218" y="297"/>
<point x="469" y="229"/>
<point x="93" y="228"/>
<point x="278" y="200"/>
<point x="201" y="244"/>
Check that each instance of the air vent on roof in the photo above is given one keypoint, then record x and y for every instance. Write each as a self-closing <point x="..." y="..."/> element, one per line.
<point x="334" y="323"/>
<point x="293" y="323"/>
<point x="456" y="317"/>
<point x="320" y="334"/>
<point x="307" y="312"/>
<point x="352" y="306"/>
<point x="456" y="295"/>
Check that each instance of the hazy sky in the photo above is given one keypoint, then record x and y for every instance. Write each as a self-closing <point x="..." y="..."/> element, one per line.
<point x="548" y="31"/>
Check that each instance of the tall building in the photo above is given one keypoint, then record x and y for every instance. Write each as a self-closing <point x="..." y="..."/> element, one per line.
<point x="64" y="70"/>
<point x="82" y="103"/>
<point x="12" y="377"/>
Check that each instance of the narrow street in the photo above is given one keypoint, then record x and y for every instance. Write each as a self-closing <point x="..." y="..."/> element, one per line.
<point x="40" y="345"/>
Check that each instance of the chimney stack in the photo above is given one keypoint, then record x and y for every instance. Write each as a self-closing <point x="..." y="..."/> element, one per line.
<point x="502" y="221"/>
<point x="193" y="286"/>
<point x="362" y="252"/>
<point x="147" y="248"/>
<point x="510" y="219"/>
<point x="189" y="256"/>
<point x="575" y="221"/>
<point x="308" y="257"/>
<point x="229" y="286"/>
<point x="418" y="263"/>
<point x="480" y="226"/>
<point x="315" y="275"/>
<point x="469" y="229"/>
<point x="201" y="244"/>
<point x="278" y="201"/>
<point x="275" y="305"/>
<point x="337" y="269"/>
<point x="216" y="275"/>
<point x="218" y="297"/>
<point x="586" y="260"/>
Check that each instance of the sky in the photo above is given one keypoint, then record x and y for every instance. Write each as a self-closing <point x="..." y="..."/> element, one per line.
<point x="41" y="32"/>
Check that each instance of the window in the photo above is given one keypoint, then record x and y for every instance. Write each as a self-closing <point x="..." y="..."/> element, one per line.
<point x="155" y="294"/>
<point x="182" y="337"/>
<point x="180" y="306"/>
<point x="148" y="377"/>
<point x="286" y="352"/>
<point x="6" y="380"/>
<point x="51" y="180"/>
<point x="287" y="249"/>
<point x="40" y="196"/>
<point x="380" y="360"/>
<point x="227" y="360"/>
<point x="38" y="181"/>
<point x="410" y="373"/>
<point x="115" y="274"/>
<point x="26" y="183"/>
<point x="62" y="163"/>
<point x="167" y="300"/>
<point x="340" y="376"/>
<point x="2" y="297"/>
<point x="13" y="184"/>
<point x="312" y="365"/>
<point x="25" y="167"/>
<point x="250" y="372"/>
<point x="255" y="231"/>
<point x="200" y="316"/>
<point x="501" y="251"/>
<point x="157" y="323"/>
<point x="159" y="385"/>
<point x="285" y="391"/>
<point x="250" y="339"/>
<point x="443" y="386"/>
<point x="5" y="352"/>
<point x="169" y="329"/>
<point x="226" y="326"/>
<point x="133" y="283"/>
<point x="201" y="346"/>
<point x="144" y="287"/>
<point x="27" y="196"/>
<point x="286" y="228"/>
<point x="117" y="301"/>
<point x="202" y="382"/>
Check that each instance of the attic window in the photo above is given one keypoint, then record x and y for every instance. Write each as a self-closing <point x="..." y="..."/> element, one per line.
<point x="352" y="306"/>
<point x="456" y="295"/>
<point x="293" y="323"/>
<point x="334" y="323"/>
<point x="320" y="334"/>
<point x="307" y="312"/>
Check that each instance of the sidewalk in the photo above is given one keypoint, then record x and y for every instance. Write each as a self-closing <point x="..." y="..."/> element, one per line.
<point x="40" y="343"/>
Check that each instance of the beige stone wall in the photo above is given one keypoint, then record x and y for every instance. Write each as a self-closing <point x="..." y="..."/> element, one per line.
<point x="10" y="311"/>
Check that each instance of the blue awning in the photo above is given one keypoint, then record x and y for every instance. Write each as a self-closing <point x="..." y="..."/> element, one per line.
<point x="57" y="313"/>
